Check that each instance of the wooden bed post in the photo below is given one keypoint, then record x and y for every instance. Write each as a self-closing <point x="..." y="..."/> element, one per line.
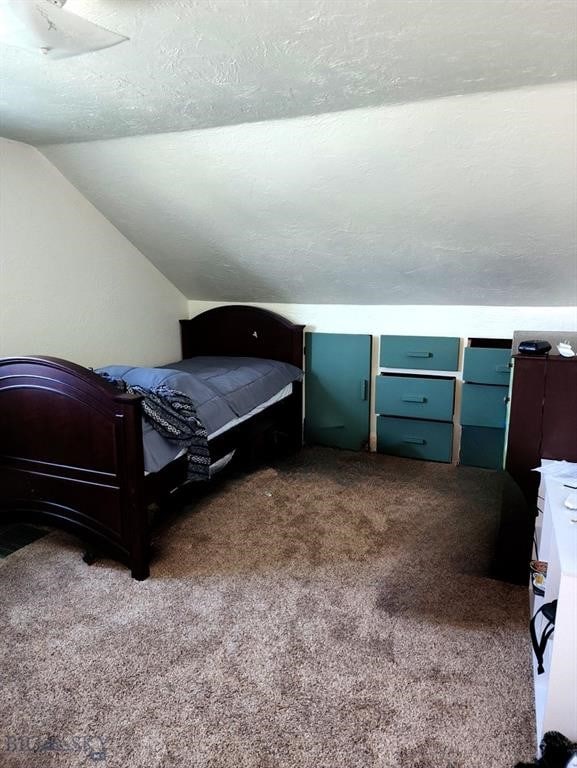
<point x="135" y="524"/>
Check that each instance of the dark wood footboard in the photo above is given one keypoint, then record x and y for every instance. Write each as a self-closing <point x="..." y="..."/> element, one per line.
<point x="71" y="456"/>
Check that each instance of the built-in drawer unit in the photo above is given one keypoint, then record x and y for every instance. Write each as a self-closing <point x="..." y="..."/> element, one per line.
<point x="415" y="438"/>
<point x="482" y="447"/>
<point x="416" y="409"/>
<point x="484" y="406"/>
<point x="485" y="394"/>
<point x="421" y="397"/>
<point x="487" y="366"/>
<point x="426" y="353"/>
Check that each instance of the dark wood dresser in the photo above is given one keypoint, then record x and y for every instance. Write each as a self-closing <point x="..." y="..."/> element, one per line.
<point x="543" y="418"/>
<point x="542" y="425"/>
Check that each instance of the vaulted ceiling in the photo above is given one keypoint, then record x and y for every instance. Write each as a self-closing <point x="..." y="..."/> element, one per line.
<point x="351" y="151"/>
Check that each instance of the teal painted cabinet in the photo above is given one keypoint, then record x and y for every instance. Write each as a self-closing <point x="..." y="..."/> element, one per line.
<point x="337" y="396"/>
<point x="484" y="406"/>
<point x="486" y="373"/>
<point x="482" y="447"/>
<point x="415" y="410"/>
<point x="487" y="366"/>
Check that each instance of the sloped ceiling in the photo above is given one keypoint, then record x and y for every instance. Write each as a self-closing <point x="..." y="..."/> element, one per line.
<point x="463" y="200"/>
<point x="449" y="178"/>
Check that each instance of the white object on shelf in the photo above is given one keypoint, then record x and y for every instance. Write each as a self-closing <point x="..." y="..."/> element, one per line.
<point x="556" y="688"/>
<point x="565" y="349"/>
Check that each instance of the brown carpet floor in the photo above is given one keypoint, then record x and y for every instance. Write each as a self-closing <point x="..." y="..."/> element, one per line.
<point x="330" y="612"/>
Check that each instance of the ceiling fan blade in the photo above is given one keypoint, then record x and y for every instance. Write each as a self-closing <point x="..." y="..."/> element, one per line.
<point x="43" y="25"/>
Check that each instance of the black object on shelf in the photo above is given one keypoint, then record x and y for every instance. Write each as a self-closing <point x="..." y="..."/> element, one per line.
<point x="534" y="347"/>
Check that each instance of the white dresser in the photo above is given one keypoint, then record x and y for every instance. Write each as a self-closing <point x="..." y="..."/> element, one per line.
<point x="556" y="537"/>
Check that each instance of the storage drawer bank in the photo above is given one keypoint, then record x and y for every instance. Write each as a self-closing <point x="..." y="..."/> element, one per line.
<point x="415" y="410"/>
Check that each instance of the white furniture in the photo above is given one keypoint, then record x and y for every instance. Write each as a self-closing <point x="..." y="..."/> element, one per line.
<point x="556" y="688"/>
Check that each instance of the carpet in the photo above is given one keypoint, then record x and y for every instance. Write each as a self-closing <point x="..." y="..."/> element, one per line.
<point x="331" y="611"/>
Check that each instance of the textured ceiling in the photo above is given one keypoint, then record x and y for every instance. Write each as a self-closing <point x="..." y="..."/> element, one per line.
<point x="429" y="158"/>
<point x="204" y="63"/>
<point x="462" y="200"/>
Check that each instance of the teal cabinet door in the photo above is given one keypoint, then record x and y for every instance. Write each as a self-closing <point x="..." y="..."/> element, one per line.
<point x="482" y="447"/>
<point x="484" y="406"/>
<point x="337" y="402"/>
<point x="487" y="366"/>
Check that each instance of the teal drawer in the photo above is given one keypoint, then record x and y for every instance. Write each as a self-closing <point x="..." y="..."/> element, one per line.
<point x="414" y="439"/>
<point x="487" y="366"/>
<point x="482" y="447"/>
<point x="421" y="397"/>
<point x="484" y="406"/>
<point x="427" y="353"/>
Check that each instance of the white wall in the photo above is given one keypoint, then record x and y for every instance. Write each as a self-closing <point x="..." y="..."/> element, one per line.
<point x="463" y="321"/>
<point x="71" y="285"/>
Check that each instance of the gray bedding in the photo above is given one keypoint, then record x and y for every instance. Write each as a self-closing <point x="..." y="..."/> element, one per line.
<point x="222" y="388"/>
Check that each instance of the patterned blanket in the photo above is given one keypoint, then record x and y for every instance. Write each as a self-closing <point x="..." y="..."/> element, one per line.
<point x="173" y="415"/>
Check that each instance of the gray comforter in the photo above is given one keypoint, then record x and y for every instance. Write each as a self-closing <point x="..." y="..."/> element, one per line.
<point x="222" y="389"/>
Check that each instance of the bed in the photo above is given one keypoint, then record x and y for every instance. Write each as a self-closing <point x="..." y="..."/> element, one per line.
<point x="71" y="444"/>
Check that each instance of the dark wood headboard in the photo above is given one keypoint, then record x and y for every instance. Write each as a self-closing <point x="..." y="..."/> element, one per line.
<point x="242" y="331"/>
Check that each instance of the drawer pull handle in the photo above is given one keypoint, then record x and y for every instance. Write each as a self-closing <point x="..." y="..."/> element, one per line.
<point x="419" y="354"/>
<point x="331" y="426"/>
<point x="414" y="440"/>
<point x="502" y="368"/>
<point x="364" y="389"/>
<point x="413" y="399"/>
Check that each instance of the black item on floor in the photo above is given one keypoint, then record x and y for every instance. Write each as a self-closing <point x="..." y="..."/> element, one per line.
<point x="548" y="610"/>
<point x="556" y="752"/>
<point x="515" y="535"/>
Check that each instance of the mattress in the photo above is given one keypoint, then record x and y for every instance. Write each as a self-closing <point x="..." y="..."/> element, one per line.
<point x="280" y="395"/>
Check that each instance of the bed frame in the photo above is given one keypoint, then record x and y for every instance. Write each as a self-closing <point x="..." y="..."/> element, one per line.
<point x="71" y="452"/>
